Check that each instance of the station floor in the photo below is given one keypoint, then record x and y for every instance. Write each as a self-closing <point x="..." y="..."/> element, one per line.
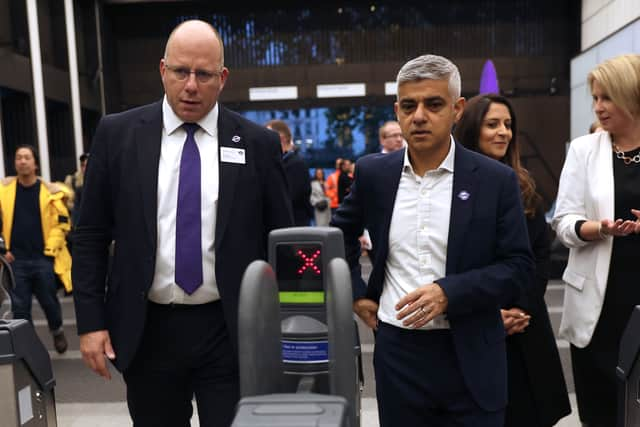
<point x="116" y="415"/>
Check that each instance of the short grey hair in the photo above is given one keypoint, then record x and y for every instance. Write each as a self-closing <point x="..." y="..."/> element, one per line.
<point x="431" y="67"/>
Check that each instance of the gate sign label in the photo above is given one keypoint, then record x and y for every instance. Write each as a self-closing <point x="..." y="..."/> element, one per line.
<point x="305" y="351"/>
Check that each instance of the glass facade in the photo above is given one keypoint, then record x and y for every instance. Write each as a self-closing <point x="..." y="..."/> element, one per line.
<point x="323" y="134"/>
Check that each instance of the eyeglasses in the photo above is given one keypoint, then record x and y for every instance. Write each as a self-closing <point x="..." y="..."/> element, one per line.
<point x="393" y="135"/>
<point x="183" y="73"/>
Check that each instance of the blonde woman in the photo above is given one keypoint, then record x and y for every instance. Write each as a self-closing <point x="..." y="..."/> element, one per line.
<point x="597" y="218"/>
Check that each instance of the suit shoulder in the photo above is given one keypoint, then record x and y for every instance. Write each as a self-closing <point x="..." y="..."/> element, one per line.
<point x="134" y="113"/>
<point x="589" y="142"/>
<point x="246" y="124"/>
<point x="379" y="159"/>
<point x="489" y="165"/>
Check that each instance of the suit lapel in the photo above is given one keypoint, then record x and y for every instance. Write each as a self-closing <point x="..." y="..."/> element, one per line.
<point x="389" y="180"/>
<point x="148" y="140"/>
<point x="463" y="199"/>
<point x="229" y="135"/>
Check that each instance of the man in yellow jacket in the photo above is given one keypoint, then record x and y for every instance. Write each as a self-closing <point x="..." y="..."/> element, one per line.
<point x="35" y="222"/>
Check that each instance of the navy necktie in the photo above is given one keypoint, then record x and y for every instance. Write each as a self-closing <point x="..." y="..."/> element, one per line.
<point x="188" y="216"/>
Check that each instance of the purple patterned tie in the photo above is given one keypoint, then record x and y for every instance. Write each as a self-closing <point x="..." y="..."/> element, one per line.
<point x="188" y="213"/>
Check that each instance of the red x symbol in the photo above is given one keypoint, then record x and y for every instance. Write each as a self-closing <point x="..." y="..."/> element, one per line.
<point x="308" y="261"/>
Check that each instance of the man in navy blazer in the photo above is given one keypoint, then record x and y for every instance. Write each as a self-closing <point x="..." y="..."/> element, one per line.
<point x="451" y="248"/>
<point x="187" y="191"/>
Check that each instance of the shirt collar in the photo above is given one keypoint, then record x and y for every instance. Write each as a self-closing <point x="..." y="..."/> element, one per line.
<point x="171" y="122"/>
<point x="446" y="165"/>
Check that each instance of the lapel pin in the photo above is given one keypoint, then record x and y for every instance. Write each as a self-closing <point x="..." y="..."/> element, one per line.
<point x="463" y="195"/>
<point x="235" y="138"/>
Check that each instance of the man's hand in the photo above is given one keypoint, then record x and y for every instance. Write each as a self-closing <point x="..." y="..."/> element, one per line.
<point x="515" y="320"/>
<point x="9" y="257"/>
<point x="420" y="306"/>
<point x="94" y="346"/>
<point x="367" y="310"/>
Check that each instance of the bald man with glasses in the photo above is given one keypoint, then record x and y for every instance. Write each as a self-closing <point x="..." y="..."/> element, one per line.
<point x="208" y="186"/>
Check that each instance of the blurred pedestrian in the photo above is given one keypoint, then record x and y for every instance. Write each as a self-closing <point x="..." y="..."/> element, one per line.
<point x="35" y="222"/>
<point x="319" y="199"/>
<point x="297" y="174"/>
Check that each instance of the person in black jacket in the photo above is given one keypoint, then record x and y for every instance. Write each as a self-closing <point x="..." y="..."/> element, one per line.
<point x="345" y="179"/>
<point x="537" y="390"/>
<point x="297" y="174"/>
<point x="183" y="192"/>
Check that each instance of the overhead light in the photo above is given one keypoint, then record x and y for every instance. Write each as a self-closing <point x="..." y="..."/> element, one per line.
<point x="341" y="90"/>
<point x="273" y="93"/>
<point x="390" y="88"/>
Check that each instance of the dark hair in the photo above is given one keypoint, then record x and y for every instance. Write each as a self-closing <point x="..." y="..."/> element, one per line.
<point x="467" y="132"/>
<point x="84" y="156"/>
<point x="280" y="127"/>
<point x="31" y="148"/>
<point x="315" y="173"/>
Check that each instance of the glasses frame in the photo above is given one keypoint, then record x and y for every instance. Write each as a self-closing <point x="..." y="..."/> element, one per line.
<point x="184" y="73"/>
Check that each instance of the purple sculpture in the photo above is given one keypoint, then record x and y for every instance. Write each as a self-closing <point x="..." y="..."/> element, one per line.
<point x="489" y="79"/>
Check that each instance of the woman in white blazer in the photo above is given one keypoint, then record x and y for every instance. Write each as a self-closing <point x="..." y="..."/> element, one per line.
<point x="596" y="219"/>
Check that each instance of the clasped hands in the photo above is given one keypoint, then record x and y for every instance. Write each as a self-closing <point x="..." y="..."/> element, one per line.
<point x="415" y="309"/>
<point x="515" y="320"/>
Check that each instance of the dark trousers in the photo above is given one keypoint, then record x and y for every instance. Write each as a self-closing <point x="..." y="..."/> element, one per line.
<point x="419" y="383"/>
<point x="521" y="410"/>
<point x="597" y="389"/>
<point x="35" y="277"/>
<point x="185" y="351"/>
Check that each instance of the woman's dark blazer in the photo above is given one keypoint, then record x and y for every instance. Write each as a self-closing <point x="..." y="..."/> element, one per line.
<point x="535" y="351"/>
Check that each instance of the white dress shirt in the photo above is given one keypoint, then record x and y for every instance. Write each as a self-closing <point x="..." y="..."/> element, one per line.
<point x="164" y="289"/>
<point x="418" y="236"/>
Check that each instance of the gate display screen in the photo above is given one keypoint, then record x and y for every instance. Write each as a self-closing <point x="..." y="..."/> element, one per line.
<point x="299" y="271"/>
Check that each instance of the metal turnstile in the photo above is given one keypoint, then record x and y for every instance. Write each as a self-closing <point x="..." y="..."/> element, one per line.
<point x="299" y="353"/>
<point x="628" y="371"/>
<point x="26" y="378"/>
<point x="297" y="409"/>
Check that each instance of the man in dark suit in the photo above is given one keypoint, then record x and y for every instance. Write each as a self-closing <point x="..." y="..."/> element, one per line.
<point x="187" y="191"/>
<point x="297" y="174"/>
<point x="451" y="247"/>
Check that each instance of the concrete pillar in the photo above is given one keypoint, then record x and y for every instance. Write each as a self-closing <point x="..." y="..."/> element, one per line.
<point x="76" y="114"/>
<point x="38" y="89"/>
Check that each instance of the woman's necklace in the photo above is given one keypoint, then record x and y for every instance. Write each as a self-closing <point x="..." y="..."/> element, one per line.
<point x="627" y="160"/>
<point x="620" y="154"/>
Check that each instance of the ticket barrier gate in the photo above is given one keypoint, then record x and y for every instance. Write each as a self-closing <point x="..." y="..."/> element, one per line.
<point x="298" y="362"/>
<point x="628" y="371"/>
<point x="26" y="376"/>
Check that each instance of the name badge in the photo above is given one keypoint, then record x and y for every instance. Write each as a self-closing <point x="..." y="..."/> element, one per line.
<point x="232" y="155"/>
